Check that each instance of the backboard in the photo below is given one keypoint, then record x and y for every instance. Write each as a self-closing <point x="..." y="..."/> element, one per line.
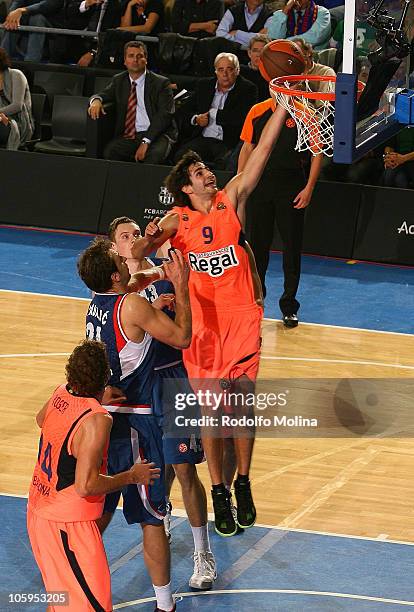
<point x="374" y="39"/>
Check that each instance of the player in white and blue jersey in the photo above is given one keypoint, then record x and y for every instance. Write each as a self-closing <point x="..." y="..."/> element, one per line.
<point x="127" y="324"/>
<point x="182" y="453"/>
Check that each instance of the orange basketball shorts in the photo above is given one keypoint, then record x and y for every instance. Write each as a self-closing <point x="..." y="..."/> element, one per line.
<point x="225" y="344"/>
<point x="71" y="557"/>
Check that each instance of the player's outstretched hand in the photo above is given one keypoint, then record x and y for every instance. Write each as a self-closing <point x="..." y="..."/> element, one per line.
<point x="177" y="270"/>
<point x="144" y="473"/>
<point x="153" y="230"/>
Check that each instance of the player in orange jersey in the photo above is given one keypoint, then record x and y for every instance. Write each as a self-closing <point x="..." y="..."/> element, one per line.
<point x="69" y="484"/>
<point x="206" y="225"/>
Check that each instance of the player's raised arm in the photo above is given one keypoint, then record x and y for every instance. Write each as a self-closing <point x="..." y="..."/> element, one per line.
<point x="137" y="312"/>
<point x="156" y="233"/>
<point x="244" y="183"/>
<point x="143" y="278"/>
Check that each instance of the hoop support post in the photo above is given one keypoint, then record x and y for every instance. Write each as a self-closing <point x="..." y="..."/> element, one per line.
<point x="345" y="117"/>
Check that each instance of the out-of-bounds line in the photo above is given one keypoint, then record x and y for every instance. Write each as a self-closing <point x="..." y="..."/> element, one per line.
<point x="136" y="550"/>
<point x="13" y="355"/>
<point x="359" y="329"/>
<point x="345" y="361"/>
<point x="383" y="600"/>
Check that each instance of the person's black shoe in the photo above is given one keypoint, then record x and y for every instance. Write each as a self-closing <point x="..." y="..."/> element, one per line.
<point x="246" y="512"/>
<point x="290" y="320"/>
<point x="224" y="522"/>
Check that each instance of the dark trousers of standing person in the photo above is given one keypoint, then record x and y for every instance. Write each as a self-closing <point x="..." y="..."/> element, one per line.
<point x="124" y="149"/>
<point x="271" y="201"/>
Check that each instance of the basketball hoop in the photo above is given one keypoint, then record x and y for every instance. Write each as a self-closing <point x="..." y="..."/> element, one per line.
<point x="313" y="110"/>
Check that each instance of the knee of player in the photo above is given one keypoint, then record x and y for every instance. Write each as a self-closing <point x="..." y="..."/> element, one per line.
<point x="186" y="474"/>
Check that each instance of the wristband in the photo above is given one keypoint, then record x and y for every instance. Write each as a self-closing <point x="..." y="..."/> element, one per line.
<point x="160" y="272"/>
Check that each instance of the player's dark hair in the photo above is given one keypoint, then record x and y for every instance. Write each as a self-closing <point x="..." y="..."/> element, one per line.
<point x="179" y="177"/>
<point x="96" y="265"/>
<point x="113" y="226"/>
<point x="87" y="369"/>
<point x="135" y="44"/>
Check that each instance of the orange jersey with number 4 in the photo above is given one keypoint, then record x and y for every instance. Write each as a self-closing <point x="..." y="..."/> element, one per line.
<point x="212" y="243"/>
<point x="52" y="492"/>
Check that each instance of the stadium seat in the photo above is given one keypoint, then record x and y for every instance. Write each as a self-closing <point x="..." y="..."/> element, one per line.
<point x="56" y="83"/>
<point x="68" y="127"/>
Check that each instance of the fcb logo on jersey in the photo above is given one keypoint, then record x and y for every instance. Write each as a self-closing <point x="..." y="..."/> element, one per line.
<point x="221" y="206"/>
<point x="183" y="448"/>
<point x="184" y="217"/>
<point x="290" y="123"/>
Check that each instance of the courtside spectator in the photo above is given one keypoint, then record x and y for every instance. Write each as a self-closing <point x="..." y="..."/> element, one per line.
<point x="196" y="18"/>
<point x="143" y="17"/>
<point x="144" y="110"/>
<point x="399" y="160"/>
<point x="315" y="69"/>
<point x="16" y="121"/>
<point x="217" y="111"/>
<point x="251" y="70"/>
<point x="243" y="21"/>
<point x="302" y="18"/>
<point x="45" y="14"/>
<point x="92" y="15"/>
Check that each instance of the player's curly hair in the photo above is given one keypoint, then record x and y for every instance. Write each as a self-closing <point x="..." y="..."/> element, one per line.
<point x="114" y="225"/>
<point x="87" y="369"/>
<point x="179" y="178"/>
<point x="96" y="265"/>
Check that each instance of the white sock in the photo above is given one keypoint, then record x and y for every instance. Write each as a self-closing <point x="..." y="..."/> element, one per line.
<point x="164" y="597"/>
<point x="201" y="539"/>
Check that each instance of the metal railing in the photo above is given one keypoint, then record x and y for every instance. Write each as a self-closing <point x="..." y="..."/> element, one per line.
<point x="69" y="32"/>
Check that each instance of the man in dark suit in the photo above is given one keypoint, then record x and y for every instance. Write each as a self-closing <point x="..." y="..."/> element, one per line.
<point x="92" y="15"/>
<point x="217" y="112"/>
<point x="144" y="109"/>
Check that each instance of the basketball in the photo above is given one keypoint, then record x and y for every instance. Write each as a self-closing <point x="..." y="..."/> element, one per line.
<point x="281" y="58"/>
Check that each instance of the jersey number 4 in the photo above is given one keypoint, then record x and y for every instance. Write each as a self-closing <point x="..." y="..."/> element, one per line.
<point x="46" y="462"/>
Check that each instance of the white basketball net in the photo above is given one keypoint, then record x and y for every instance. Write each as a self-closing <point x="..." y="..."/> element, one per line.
<point x="314" y="118"/>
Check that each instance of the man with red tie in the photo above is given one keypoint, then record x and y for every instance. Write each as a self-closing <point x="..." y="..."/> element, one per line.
<point x="144" y="109"/>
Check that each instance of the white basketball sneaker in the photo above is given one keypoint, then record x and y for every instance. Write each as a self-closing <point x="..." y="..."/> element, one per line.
<point x="205" y="571"/>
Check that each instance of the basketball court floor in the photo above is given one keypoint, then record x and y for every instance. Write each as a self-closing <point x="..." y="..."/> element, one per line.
<point x="335" y="512"/>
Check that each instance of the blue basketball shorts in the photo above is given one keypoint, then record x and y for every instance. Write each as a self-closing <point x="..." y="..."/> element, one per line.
<point x="177" y="448"/>
<point x="135" y="437"/>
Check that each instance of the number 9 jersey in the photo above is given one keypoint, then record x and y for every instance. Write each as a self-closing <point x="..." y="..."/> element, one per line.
<point x="226" y="318"/>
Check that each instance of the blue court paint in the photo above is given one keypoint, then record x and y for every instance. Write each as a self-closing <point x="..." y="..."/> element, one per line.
<point x="331" y="291"/>
<point x="293" y="561"/>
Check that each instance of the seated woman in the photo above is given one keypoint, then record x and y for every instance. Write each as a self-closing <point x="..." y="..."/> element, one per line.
<point x="16" y="121"/>
<point x="143" y="16"/>
<point x="399" y="160"/>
